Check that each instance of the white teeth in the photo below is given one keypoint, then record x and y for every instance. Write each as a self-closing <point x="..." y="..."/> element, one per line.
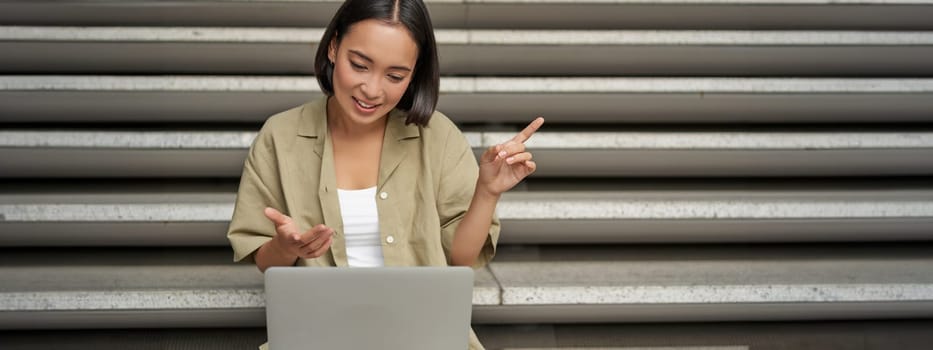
<point x="364" y="105"/>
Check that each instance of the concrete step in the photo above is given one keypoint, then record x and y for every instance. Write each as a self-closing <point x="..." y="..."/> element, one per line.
<point x="679" y="14"/>
<point x="102" y="153"/>
<point x="203" y="50"/>
<point x="89" y="297"/>
<point x="151" y="218"/>
<point x="839" y="284"/>
<point x="35" y="99"/>
<point x="140" y="339"/>
<point x="831" y="286"/>
<point x="902" y="334"/>
<point x="644" y="348"/>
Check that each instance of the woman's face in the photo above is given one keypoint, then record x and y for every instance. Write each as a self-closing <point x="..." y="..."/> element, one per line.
<point x="373" y="65"/>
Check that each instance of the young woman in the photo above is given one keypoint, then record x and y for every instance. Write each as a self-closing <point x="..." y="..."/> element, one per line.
<point x="371" y="174"/>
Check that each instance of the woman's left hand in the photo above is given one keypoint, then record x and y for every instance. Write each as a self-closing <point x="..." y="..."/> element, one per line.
<point x="504" y="165"/>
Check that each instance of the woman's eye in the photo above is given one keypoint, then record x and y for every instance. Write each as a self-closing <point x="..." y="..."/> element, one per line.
<point x="357" y="66"/>
<point x="395" y="78"/>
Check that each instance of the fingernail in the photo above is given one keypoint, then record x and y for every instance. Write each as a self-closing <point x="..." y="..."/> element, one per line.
<point x="510" y="160"/>
<point x="502" y="154"/>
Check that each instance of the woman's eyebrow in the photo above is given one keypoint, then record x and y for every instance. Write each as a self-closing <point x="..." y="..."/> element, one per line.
<point x="370" y="60"/>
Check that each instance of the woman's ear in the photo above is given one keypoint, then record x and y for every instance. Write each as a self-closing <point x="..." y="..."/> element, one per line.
<point x="332" y="50"/>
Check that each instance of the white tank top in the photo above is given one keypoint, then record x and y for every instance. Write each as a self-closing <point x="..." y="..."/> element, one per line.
<point x="361" y="227"/>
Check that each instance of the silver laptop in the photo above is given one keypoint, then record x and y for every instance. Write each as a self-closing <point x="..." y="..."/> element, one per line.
<point x="388" y="308"/>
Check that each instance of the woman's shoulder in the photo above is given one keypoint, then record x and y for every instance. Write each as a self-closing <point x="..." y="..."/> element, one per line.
<point x="300" y="119"/>
<point x="440" y="126"/>
<point x="284" y="120"/>
<point x="440" y="120"/>
<point x="280" y="130"/>
<point x="442" y="137"/>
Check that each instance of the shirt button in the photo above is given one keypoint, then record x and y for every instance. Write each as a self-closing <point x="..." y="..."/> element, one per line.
<point x="390" y="239"/>
<point x="383" y="195"/>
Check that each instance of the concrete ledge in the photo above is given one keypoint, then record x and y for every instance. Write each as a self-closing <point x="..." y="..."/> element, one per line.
<point x="111" y="288"/>
<point x="146" y="219"/>
<point x="727" y="281"/>
<point x="756" y="312"/>
<point x="522" y="206"/>
<point x="717" y="205"/>
<point x="638" y="231"/>
<point x="59" y="281"/>
<point x="744" y="14"/>
<point x="168" y="140"/>
<point x="756" y="335"/>
<point x="569" y="154"/>
<point x="100" y="296"/>
<point x="571" y="38"/>
<point x="205" y="50"/>
<point x="485" y="288"/>
<point x="196" y="318"/>
<point x="475" y="85"/>
<point x="805" y="293"/>
<point x="543" y="140"/>
<point x="500" y="100"/>
<point x="129" y="319"/>
<point x="589" y="231"/>
<point x="645" y="348"/>
<point x="200" y="299"/>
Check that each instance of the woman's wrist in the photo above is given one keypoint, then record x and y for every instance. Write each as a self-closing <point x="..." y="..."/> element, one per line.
<point x="279" y="251"/>
<point x="485" y="194"/>
<point x="270" y="254"/>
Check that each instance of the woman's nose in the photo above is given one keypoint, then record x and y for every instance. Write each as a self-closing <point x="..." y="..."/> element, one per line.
<point x="370" y="87"/>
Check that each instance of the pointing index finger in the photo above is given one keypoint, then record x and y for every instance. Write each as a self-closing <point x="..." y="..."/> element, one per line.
<point x="529" y="130"/>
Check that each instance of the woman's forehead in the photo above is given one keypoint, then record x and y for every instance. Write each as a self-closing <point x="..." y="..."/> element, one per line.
<point x="382" y="42"/>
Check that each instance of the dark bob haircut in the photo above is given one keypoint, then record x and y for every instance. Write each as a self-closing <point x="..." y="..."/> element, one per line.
<point x="420" y="99"/>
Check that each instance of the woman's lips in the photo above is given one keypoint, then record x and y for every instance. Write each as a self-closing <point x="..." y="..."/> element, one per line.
<point x="365" y="107"/>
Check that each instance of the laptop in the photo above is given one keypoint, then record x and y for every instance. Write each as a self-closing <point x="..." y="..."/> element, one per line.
<point x="342" y="308"/>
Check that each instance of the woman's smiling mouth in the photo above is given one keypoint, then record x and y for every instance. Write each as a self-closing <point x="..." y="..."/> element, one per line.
<point x="365" y="106"/>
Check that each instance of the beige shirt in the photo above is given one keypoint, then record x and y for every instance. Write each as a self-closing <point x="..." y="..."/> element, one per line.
<point x="427" y="176"/>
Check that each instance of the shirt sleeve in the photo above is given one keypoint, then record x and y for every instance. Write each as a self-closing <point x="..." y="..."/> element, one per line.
<point x="457" y="185"/>
<point x="259" y="188"/>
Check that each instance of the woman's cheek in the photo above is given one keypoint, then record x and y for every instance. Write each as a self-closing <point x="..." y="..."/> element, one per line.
<point x="344" y="77"/>
<point x="397" y="92"/>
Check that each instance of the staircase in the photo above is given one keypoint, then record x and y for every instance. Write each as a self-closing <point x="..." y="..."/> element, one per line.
<point x="713" y="174"/>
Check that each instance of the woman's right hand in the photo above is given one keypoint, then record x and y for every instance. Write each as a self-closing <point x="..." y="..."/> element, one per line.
<point x="290" y="242"/>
